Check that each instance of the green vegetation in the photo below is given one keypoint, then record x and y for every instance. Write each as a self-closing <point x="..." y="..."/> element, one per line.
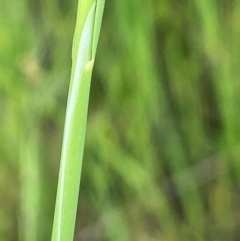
<point x="89" y="18"/>
<point x="161" y="158"/>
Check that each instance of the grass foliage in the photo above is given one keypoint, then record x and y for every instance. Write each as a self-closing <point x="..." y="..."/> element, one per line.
<point x="161" y="159"/>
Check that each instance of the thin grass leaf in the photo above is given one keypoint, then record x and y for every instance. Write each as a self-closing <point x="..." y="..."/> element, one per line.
<point x="75" y="125"/>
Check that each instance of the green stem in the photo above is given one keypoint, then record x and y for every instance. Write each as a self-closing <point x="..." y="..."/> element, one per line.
<point x="75" y="126"/>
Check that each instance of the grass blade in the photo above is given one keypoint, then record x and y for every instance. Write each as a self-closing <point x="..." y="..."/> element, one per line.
<point x="74" y="132"/>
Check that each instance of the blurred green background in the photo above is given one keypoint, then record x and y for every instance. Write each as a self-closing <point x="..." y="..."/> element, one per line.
<point x="162" y="153"/>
